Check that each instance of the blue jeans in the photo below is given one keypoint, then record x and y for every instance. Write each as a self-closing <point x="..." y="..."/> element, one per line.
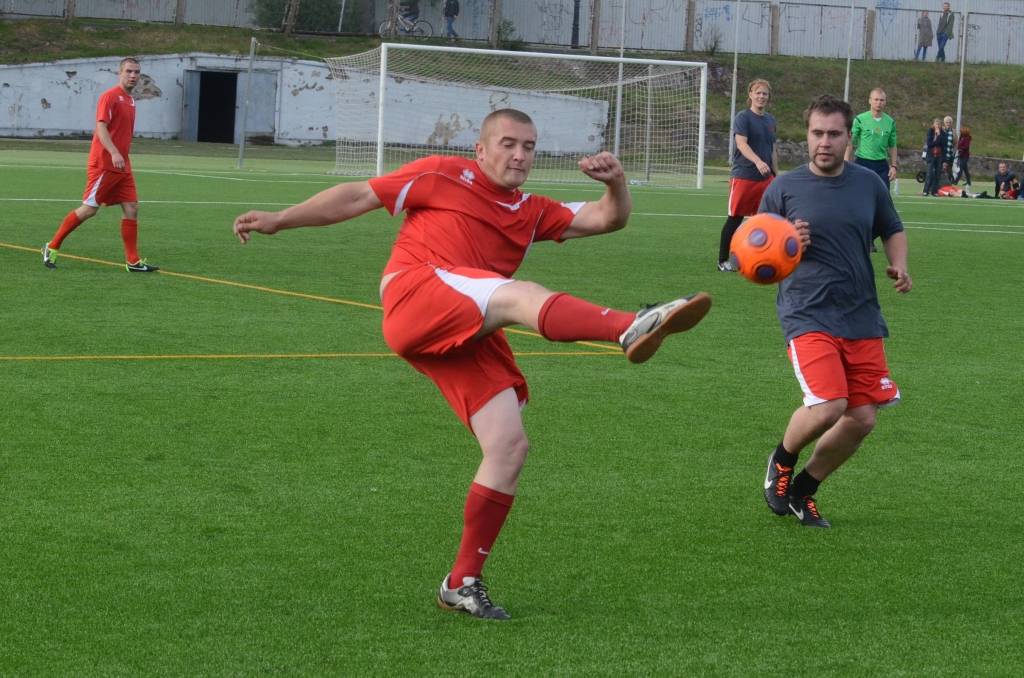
<point x="921" y="53"/>
<point x="943" y="38"/>
<point x="449" y="27"/>
<point x="931" y="181"/>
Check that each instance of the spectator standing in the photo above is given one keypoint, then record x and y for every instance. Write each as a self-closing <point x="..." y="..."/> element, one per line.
<point x="944" y="31"/>
<point x="934" y="145"/>
<point x="924" y="36"/>
<point x="963" y="154"/>
<point x="451" y="12"/>
<point x="949" y="149"/>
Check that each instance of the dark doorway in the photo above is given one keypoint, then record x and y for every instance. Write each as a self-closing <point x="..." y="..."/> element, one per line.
<point x="217" y="106"/>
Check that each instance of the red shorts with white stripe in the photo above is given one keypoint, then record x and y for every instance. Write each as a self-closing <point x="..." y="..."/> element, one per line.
<point x="745" y="195"/>
<point x="431" y="316"/>
<point x="103" y="187"/>
<point x="829" y="368"/>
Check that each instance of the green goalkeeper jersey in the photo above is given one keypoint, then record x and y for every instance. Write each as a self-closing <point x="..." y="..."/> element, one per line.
<point x="873" y="138"/>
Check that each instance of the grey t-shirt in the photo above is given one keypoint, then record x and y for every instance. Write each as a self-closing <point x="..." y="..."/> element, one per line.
<point x="833" y="288"/>
<point x="760" y="133"/>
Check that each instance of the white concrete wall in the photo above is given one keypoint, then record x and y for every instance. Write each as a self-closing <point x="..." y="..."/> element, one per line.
<point x="59" y="98"/>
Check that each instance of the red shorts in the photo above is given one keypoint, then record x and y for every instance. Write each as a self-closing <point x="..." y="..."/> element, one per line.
<point x="431" y="316"/>
<point x="745" y="195"/>
<point x="103" y="187"/>
<point x="830" y="367"/>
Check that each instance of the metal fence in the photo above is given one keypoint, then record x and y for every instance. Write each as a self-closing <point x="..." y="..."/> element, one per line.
<point x="207" y="12"/>
<point x="882" y="29"/>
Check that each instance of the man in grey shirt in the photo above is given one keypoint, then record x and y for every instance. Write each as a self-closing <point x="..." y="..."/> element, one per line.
<point x="828" y="308"/>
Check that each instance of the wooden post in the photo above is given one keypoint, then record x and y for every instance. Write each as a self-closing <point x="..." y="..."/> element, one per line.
<point x="290" y="15"/>
<point x="595" y="26"/>
<point x="179" y="12"/>
<point x="691" y="22"/>
<point x="495" y="22"/>
<point x="69" y="11"/>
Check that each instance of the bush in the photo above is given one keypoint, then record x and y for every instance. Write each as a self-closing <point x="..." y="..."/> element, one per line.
<point x="316" y="16"/>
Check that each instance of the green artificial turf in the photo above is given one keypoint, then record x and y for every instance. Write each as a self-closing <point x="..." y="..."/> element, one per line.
<point x="217" y="502"/>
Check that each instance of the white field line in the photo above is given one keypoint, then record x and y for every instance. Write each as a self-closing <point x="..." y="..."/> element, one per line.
<point x="914" y="225"/>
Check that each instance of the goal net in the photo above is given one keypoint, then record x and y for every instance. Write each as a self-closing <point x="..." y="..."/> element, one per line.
<point x="397" y="103"/>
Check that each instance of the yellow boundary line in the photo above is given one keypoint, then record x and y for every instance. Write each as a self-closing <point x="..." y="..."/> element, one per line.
<point x="251" y="356"/>
<point x="606" y="350"/>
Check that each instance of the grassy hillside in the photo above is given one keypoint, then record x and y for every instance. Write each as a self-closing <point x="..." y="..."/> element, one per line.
<point x="993" y="98"/>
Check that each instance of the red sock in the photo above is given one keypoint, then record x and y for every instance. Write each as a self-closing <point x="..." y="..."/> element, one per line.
<point x="70" y="223"/>
<point x="130" y="236"/>
<point x="567" y="318"/>
<point x="485" y="513"/>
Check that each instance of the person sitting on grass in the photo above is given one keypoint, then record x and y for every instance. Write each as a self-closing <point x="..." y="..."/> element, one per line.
<point x="1005" y="181"/>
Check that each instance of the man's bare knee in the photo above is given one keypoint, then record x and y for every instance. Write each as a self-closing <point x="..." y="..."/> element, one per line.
<point x="518" y="302"/>
<point x="861" y="421"/>
<point x="827" y="414"/>
<point x="84" y="212"/>
<point x="130" y="210"/>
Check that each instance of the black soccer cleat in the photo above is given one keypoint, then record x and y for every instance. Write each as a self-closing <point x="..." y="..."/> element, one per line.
<point x="470" y="598"/>
<point x="806" y="511"/>
<point x="141" y="267"/>
<point x="776" y="486"/>
<point x="653" y="323"/>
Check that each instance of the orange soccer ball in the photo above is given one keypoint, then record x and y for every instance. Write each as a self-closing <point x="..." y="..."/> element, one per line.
<point x="766" y="248"/>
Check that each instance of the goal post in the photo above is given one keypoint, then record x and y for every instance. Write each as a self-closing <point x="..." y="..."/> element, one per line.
<point x="400" y="102"/>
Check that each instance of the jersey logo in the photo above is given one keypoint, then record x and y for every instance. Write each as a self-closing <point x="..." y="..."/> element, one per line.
<point x="468" y="176"/>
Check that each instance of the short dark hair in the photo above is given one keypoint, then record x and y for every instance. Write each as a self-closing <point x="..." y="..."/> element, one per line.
<point x="827" y="104"/>
<point x="127" y="60"/>
<point x="509" y="113"/>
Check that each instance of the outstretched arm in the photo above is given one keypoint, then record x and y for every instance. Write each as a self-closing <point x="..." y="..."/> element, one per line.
<point x="611" y="212"/>
<point x="331" y="206"/>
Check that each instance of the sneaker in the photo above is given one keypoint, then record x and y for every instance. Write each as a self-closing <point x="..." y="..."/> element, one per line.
<point x="471" y="598"/>
<point x="806" y="511"/>
<point x="141" y="266"/>
<point x="653" y="323"/>
<point x="776" y="486"/>
<point x="49" y="256"/>
<point x="726" y="266"/>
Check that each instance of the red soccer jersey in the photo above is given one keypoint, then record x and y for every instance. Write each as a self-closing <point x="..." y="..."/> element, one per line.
<point x="457" y="217"/>
<point x="116" y="108"/>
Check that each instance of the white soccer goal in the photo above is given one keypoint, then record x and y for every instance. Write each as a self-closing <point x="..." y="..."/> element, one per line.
<point x="402" y="102"/>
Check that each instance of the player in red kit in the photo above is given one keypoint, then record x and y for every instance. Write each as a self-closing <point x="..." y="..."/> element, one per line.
<point x="109" y="179"/>
<point x="447" y="292"/>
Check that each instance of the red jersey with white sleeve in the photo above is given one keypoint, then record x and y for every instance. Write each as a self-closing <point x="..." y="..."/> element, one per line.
<point x="455" y="216"/>
<point x="116" y="108"/>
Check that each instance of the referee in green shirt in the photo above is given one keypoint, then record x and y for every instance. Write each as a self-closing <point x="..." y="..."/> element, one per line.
<point x="874" y="137"/>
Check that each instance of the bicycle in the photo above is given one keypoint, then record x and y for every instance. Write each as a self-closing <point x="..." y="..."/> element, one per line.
<point x="398" y="24"/>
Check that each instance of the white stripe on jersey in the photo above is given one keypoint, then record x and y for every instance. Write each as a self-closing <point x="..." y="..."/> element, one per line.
<point x="400" y="201"/>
